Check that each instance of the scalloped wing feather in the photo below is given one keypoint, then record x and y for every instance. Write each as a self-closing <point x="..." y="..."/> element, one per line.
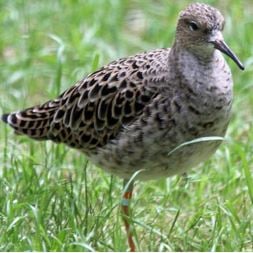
<point x="96" y="109"/>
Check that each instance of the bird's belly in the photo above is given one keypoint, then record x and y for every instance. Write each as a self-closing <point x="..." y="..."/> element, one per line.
<point x="181" y="160"/>
<point x="157" y="164"/>
<point x="152" y="156"/>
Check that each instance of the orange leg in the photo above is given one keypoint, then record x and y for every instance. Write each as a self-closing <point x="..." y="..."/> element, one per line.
<point x="127" y="195"/>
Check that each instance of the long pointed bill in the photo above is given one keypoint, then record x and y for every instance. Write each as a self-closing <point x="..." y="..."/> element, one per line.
<point x="223" y="47"/>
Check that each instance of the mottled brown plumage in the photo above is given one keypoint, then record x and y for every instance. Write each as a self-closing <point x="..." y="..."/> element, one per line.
<point x="94" y="111"/>
<point x="131" y="113"/>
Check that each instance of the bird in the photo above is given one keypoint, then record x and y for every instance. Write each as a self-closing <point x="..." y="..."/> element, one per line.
<point x="130" y="116"/>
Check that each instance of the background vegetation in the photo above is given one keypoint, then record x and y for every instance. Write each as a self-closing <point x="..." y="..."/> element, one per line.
<point x="51" y="198"/>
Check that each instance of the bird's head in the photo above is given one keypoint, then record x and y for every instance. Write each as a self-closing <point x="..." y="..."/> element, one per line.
<point x="199" y="30"/>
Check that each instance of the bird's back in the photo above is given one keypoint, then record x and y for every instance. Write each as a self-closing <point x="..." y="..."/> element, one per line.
<point x="91" y="113"/>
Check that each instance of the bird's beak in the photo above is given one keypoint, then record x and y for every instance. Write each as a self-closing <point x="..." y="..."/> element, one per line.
<point x="219" y="43"/>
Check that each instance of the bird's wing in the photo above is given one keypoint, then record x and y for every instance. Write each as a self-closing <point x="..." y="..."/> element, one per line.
<point x="94" y="111"/>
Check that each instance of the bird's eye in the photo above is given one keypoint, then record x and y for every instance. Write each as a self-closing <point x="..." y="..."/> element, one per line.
<point x="193" y="26"/>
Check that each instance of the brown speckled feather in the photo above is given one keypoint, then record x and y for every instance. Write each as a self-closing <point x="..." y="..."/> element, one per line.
<point x="92" y="112"/>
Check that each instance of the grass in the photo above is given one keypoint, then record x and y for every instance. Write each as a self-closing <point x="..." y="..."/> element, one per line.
<point x="51" y="198"/>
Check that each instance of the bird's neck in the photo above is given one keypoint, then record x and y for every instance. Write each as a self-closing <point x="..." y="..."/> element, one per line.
<point x="204" y="55"/>
<point x="194" y="69"/>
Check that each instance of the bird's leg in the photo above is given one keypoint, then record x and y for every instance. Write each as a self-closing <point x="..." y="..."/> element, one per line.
<point x="127" y="195"/>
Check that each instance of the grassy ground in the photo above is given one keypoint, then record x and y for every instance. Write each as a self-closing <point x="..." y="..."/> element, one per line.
<point x="51" y="198"/>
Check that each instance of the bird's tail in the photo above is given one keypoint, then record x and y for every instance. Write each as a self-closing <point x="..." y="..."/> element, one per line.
<point x="34" y="121"/>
